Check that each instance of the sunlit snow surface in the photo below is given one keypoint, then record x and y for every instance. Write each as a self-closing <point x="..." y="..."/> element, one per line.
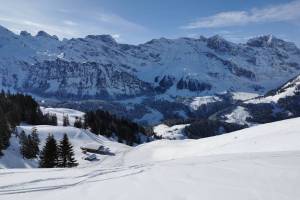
<point x="239" y="116"/>
<point x="261" y="162"/>
<point x="174" y="132"/>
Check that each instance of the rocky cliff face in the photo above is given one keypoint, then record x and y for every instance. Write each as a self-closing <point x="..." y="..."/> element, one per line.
<point x="97" y="67"/>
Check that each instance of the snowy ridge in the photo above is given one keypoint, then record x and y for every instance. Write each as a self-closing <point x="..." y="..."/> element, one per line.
<point x="271" y="137"/>
<point x="287" y="90"/>
<point x="97" y="68"/>
<point x="183" y="66"/>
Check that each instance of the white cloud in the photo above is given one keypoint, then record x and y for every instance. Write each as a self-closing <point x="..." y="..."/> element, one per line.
<point x="277" y="13"/>
<point x="115" y="20"/>
<point x="116" y="36"/>
<point x="69" y="23"/>
<point x="76" y="21"/>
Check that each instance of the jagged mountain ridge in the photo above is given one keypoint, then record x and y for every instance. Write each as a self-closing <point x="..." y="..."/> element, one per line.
<point x="97" y="67"/>
<point x="169" y="66"/>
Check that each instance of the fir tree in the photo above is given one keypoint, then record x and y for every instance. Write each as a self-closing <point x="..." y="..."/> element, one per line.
<point x="35" y="142"/>
<point x="23" y="143"/>
<point x="49" y="154"/>
<point x="66" y="121"/>
<point x="66" y="153"/>
<point x="4" y="132"/>
<point x="29" y="145"/>
<point x="78" y="122"/>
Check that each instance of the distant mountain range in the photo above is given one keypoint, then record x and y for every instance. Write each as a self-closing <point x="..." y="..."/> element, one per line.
<point x="160" y="79"/>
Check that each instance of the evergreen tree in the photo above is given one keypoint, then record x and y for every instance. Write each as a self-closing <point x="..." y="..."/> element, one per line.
<point x="29" y="145"/>
<point x="35" y="142"/>
<point x="23" y="144"/>
<point x="49" y="154"/>
<point x="66" y="153"/>
<point x="66" y="121"/>
<point x="78" y="122"/>
<point x="4" y="132"/>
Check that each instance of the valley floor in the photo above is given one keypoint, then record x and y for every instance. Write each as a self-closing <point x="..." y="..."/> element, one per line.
<point x="261" y="162"/>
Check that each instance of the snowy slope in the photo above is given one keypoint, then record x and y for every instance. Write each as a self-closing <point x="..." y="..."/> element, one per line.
<point x="272" y="137"/>
<point x="255" y="163"/>
<point x="200" y="101"/>
<point x="175" y="132"/>
<point x="60" y="112"/>
<point x="239" y="116"/>
<point x="289" y="89"/>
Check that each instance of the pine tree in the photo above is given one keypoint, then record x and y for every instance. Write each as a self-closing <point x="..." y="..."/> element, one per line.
<point x="78" y="122"/>
<point x="4" y="132"/>
<point x="35" y="142"/>
<point x="29" y="144"/>
<point x="23" y="143"/>
<point x="53" y="119"/>
<point x="66" y="153"/>
<point x="66" y="121"/>
<point x="49" y="154"/>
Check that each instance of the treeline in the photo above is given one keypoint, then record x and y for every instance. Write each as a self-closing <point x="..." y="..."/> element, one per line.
<point x="52" y="155"/>
<point x="17" y="108"/>
<point x="103" y="123"/>
<point x="207" y="128"/>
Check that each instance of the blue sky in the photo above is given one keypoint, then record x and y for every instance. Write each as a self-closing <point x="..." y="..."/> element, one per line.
<point x="137" y="21"/>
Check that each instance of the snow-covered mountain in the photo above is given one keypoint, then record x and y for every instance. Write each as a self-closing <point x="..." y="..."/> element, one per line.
<point x="142" y="78"/>
<point x="261" y="162"/>
<point x="277" y="104"/>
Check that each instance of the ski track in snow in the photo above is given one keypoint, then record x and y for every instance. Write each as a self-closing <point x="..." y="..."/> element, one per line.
<point x="261" y="162"/>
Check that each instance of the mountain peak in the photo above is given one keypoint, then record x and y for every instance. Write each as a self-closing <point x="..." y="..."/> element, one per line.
<point x="272" y="42"/>
<point x="262" y="41"/>
<point x="25" y="34"/>
<point x="218" y="43"/>
<point x="46" y="35"/>
<point x="104" y="38"/>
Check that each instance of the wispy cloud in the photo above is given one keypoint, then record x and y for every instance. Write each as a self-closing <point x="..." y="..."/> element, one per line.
<point x="77" y="21"/>
<point x="69" y="23"/>
<point x="115" y="20"/>
<point x="283" y="12"/>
